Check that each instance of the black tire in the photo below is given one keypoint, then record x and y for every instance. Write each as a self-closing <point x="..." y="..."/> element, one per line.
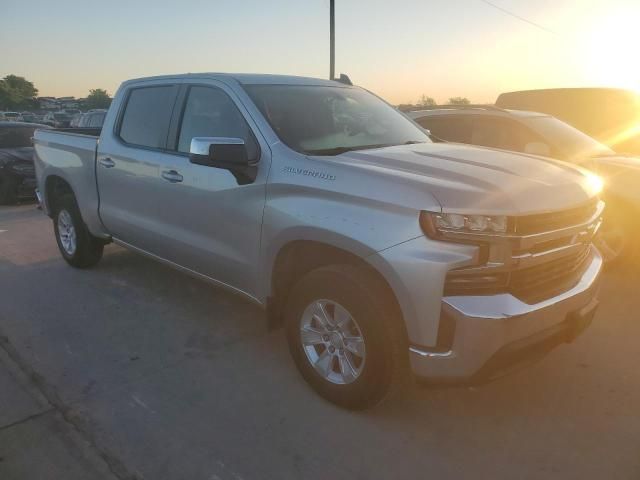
<point x="88" y="249"/>
<point x="8" y="189"/>
<point x="367" y="299"/>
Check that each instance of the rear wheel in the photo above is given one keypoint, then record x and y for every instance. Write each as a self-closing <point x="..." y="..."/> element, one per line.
<point x="345" y="337"/>
<point x="8" y="189"/>
<point x="78" y="247"/>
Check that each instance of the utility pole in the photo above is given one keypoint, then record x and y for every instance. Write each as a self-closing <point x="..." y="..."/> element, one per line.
<point x="332" y="39"/>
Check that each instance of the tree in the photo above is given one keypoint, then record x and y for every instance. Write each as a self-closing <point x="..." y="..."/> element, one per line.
<point x="97" y="98"/>
<point x="405" y="107"/>
<point x="426" y="101"/>
<point x="17" y="93"/>
<point x="458" y="101"/>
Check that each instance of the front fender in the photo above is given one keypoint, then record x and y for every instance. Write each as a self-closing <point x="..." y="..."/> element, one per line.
<point x="280" y="239"/>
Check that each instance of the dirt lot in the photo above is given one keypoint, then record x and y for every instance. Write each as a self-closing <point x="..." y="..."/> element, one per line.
<point x="133" y="370"/>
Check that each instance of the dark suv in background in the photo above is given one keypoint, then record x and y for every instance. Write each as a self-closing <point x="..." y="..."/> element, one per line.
<point x="610" y="115"/>
<point x="541" y="134"/>
<point x="17" y="175"/>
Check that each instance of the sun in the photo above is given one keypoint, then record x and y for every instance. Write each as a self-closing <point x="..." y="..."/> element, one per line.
<point x="609" y="48"/>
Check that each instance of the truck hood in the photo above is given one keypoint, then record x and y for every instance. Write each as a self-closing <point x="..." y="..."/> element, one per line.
<point x="473" y="179"/>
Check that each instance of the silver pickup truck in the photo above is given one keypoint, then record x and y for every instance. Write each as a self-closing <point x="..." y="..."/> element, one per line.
<point x="381" y="253"/>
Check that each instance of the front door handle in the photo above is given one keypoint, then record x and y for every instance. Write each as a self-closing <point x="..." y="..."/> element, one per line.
<point x="106" y="162"/>
<point x="172" y="176"/>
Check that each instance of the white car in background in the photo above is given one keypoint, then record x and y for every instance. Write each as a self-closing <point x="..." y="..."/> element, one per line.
<point x="91" y="119"/>
<point x="10" y="116"/>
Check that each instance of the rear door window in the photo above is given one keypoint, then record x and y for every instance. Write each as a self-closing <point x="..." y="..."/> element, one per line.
<point x="147" y="114"/>
<point x="452" y="128"/>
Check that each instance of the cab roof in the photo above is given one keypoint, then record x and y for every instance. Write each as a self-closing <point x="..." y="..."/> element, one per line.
<point x="247" y="79"/>
<point x="474" y="110"/>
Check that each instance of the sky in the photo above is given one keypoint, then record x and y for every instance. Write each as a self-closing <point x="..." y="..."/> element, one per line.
<point x="399" y="49"/>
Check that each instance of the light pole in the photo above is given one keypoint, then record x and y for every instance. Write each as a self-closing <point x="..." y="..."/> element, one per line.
<point x="332" y="39"/>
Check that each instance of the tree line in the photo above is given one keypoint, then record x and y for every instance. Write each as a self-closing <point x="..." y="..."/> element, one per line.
<point x="18" y="93"/>
<point x="426" y="102"/>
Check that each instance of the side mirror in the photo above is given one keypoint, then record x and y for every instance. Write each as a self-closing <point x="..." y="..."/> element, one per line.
<point x="225" y="153"/>
<point x="538" y="148"/>
<point x="218" y="151"/>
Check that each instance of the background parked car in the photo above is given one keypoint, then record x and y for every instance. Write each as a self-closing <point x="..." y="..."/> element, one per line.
<point x="57" y="119"/>
<point x="17" y="175"/>
<point x="75" y="120"/>
<point x="541" y="134"/>
<point x="91" y="119"/>
<point x="29" y="117"/>
<point x="10" y="116"/>
<point x="610" y="115"/>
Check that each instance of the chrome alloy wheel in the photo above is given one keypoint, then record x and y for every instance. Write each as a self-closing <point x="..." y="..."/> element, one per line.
<point x="332" y="341"/>
<point x="67" y="232"/>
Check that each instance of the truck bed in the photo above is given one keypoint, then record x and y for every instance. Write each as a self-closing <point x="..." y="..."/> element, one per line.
<point x="91" y="132"/>
<point x="70" y="155"/>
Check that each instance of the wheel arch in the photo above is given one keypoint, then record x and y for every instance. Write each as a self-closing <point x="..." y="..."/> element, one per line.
<point x="54" y="188"/>
<point x="298" y="257"/>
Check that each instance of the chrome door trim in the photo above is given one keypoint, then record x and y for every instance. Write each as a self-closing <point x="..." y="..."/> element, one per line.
<point x="190" y="272"/>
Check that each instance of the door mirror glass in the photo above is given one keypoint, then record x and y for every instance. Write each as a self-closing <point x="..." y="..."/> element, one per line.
<point x="537" y="148"/>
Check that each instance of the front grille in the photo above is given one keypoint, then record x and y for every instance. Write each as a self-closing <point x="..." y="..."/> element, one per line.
<point x="535" y="283"/>
<point x="545" y="222"/>
<point x="546" y="255"/>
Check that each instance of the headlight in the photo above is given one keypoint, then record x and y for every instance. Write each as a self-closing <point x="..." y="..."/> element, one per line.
<point x="436" y="225"/>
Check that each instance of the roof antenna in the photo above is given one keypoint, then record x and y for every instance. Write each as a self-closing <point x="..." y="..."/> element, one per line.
<point x="344" y="79"/>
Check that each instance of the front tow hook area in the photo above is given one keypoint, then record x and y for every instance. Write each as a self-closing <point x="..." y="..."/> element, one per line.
<point x="578" y="321"/>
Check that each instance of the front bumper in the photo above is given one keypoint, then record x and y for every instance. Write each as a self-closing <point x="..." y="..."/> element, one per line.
<point x="494" y="333"/>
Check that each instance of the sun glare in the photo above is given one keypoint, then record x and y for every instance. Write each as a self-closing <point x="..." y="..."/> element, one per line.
<point x="609" y="49"/>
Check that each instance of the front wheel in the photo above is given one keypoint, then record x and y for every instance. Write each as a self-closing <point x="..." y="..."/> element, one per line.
<point x="78" y="247"/>
<point x="345" y="336"/>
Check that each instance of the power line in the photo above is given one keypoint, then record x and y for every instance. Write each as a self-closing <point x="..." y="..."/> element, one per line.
<point x="487" y="2"/>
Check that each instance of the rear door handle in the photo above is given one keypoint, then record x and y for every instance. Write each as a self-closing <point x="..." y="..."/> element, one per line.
<point x="106" y="162"/>
<point x="172" y="176"/>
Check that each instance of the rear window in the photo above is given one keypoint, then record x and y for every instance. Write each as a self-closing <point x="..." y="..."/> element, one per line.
<point x="15" y="137"/>
<point x="147" y="114"/>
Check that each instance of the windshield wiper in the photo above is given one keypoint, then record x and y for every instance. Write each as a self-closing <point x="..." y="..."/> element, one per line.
<point x="339" y="150"/>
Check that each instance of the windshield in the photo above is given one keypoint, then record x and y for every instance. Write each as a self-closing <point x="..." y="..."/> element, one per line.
<point x="319" y="120"/>
<point x="572" y="142"/>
